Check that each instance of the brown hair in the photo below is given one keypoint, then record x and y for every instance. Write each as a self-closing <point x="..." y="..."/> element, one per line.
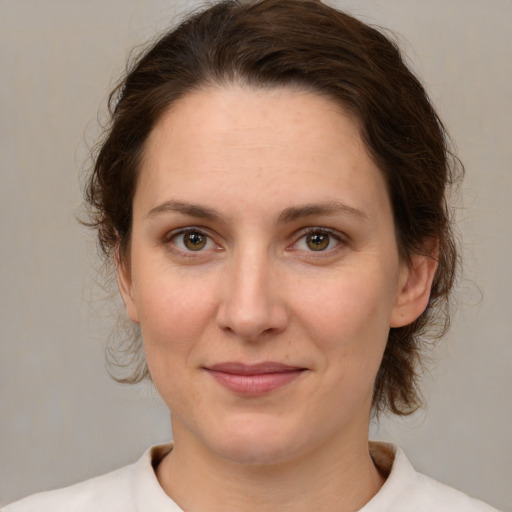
<point x="304" y="43"/>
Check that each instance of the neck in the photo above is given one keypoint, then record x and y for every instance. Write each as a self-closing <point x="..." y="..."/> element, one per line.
<point x="340" y="479"/>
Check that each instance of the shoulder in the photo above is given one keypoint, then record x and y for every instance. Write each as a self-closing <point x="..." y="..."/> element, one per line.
<point x="406" y="490"/>
<point x="94" y="494"/>
<point x="118" y="491"/>
<point x="436" y="496"/>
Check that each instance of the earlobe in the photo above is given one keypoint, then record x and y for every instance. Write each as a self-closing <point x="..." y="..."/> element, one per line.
<point x="414" y="289"/>
<point x="124" y="282"/>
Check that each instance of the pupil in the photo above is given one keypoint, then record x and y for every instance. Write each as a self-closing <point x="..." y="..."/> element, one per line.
<point x="195" y="241"/>
<point x="318" y="241"/>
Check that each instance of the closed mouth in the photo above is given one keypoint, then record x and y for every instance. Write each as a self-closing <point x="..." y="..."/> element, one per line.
<point x="254" y="379"/>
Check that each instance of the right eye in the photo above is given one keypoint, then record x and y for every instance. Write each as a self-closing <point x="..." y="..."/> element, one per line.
<point x="192" y="240"/>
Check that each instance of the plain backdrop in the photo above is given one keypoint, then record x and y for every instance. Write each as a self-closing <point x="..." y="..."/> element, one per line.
<point x="61" y="418"/>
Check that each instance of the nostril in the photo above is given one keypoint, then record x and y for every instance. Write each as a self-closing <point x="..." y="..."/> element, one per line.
<point x="250" y="306"/>
<point x="252" y="325"/>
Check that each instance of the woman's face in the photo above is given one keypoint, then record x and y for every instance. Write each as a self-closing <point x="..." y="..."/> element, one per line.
<point x="264" y="272"/>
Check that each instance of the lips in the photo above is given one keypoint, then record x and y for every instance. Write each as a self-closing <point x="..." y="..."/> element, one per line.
<point x="254" y="379"/>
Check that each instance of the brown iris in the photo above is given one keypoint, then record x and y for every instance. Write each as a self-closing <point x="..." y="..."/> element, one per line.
<point x="317" y="241"/>
<point x="194" y="241"/>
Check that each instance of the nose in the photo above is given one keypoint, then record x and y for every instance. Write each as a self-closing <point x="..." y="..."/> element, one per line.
<point x="252" y="304"/>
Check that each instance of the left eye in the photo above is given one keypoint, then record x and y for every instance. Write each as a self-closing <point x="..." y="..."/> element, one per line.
<point x="192" y="240"/>
<point x="317" y="241"/>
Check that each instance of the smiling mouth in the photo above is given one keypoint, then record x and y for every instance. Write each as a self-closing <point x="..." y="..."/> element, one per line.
<point x="253" y="380"/>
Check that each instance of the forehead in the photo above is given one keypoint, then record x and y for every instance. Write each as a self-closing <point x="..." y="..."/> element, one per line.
<point x="241" y="114"/>
<point x="259" y="143"/>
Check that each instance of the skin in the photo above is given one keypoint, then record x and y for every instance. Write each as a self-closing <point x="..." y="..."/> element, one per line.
<point x="243" y="167"/>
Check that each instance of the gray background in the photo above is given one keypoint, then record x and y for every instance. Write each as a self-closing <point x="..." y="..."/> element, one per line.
<point x="61" y="418"/>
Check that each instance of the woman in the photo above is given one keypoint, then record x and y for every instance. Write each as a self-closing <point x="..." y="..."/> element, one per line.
<point x="272" y="194"/>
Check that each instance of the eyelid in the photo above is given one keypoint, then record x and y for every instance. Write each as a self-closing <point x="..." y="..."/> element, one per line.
<point x="342" y="239"/>
<point x="171" y="235"/>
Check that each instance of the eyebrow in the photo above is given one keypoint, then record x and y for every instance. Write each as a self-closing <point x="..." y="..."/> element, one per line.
<point x="288" y="215"/>
<point x="193" y="210"/>
<point x="309" y="210"/>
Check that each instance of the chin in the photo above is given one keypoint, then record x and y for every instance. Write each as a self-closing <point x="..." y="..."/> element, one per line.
<point x="257" y="444"/>
<point x="259" y="453"/>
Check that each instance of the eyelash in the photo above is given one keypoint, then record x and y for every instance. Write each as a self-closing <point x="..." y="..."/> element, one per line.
<point x="333" y="235"/>
<point x="170" y="240"/>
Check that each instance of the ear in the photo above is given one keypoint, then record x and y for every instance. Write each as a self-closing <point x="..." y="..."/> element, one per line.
<point x="124" y="282"/>
<point x="415" y="284"/>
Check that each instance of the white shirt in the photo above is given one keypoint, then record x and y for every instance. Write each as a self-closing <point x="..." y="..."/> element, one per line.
<point x="135" y="488"/>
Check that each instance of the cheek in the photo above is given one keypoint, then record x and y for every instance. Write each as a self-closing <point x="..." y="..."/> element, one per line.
<point x="350" y="308"/>
<point x="349" y="323"/>
<point x="173" y="325"/>
<point x="174" y="314"/>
